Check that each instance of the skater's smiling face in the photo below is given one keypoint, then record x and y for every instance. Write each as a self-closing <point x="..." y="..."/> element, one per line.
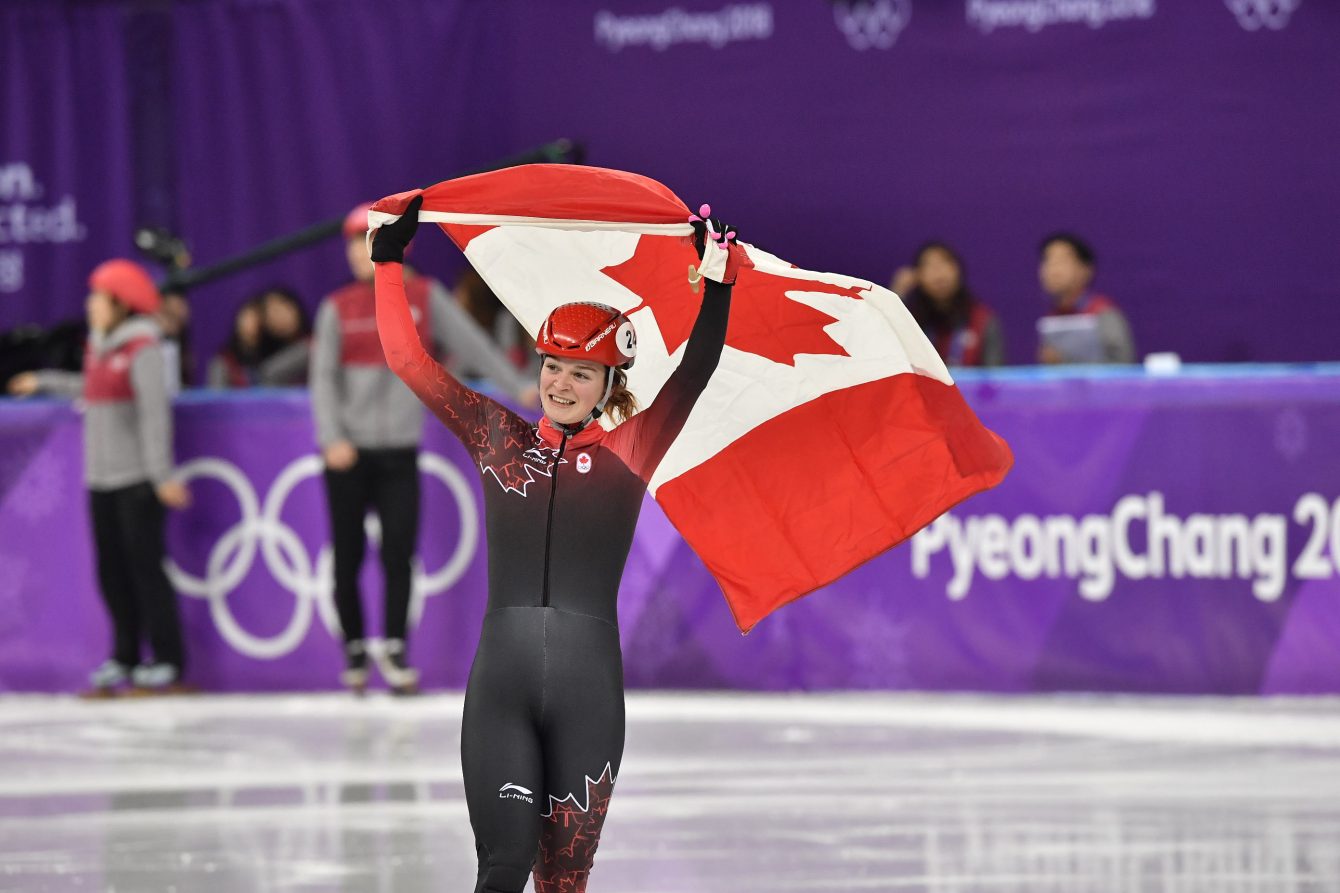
<point x="570" y="389"/>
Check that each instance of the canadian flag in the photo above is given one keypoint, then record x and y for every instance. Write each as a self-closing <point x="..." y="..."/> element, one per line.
<point x="831" y="430"/>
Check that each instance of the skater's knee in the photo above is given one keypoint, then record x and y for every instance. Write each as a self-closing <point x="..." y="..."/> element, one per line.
<point x="562" y="875"/>
<point x="563" y="868"/>
<point x="504" y="878"/>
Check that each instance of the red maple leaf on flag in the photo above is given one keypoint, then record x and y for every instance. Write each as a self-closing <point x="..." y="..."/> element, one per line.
<point x="763" y="319"/>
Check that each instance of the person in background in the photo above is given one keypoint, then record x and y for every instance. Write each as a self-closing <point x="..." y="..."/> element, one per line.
<point x="237" y="364"/>
<point x="270" y="345"/>
<point x="128" y="471"/>
<point x="286" y="341"/>
<point x="965" y="331"/>
<point x="1083" y="325"/>
<point x="174" y="318"/>
<point x="368" y="426"/>
<point x="473" y="293"/>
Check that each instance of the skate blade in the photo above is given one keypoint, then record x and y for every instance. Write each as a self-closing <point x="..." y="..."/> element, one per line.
<point x="355" y="680"/>
<point x="100" y="694"/>
<point x="176" y="688"/>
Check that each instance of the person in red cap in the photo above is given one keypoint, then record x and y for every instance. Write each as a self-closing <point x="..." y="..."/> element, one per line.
<point x="368" y="425"/>
<point x="543" y="729"/>
<point x="128" y="471"/>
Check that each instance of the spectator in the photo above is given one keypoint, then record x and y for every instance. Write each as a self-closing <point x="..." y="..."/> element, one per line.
<point x="1083" y="326"/>
<point x="368" y="425"/>
<point x="964" y="331"/>
<point x="128" y="471"/>
<point x="286" y="339"/>
<point x="237" y="365"/>
<point x="174" y="318"/>
<point x="270" y="344"/>
<point x="473" y="293"/>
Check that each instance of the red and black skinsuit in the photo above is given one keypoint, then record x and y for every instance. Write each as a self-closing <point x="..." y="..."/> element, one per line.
<point x="543" y="730"/>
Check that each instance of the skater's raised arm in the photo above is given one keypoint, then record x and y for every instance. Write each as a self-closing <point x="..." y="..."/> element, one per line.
<point x="644" y="439"/>
<point x="464" y="411"/>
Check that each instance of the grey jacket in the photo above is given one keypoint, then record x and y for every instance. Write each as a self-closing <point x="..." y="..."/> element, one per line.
<point x="1115" y="333"/>
<point x="126" y="441"/>
<point x="372" y="408"/>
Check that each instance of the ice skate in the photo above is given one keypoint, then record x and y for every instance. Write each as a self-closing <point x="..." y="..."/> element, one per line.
<point x="156" y="679"/>
<point x="392" y="664"/>
<point x="355" y="674"/>
<point x="107" y="680"/>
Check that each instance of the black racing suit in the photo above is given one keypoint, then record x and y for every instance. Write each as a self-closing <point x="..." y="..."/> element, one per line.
<point x="543" y="730"/>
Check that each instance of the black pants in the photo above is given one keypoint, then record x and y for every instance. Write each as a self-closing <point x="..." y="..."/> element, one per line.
<point x="541" y="742"/>
<point x="128" y="540"/>
<point x="387" y="481"/>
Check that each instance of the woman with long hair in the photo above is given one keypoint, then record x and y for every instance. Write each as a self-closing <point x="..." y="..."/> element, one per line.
<point x="543" y="729"/>
<point x="965" y="331"/>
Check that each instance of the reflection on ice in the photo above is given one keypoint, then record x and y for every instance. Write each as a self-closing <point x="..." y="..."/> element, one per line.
<point x="717" y="793"/>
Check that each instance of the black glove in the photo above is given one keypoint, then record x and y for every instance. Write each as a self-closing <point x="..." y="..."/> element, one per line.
<point x="391" y="239"/>
<point x="707" y="228"/>
<point x="720" y="256"/>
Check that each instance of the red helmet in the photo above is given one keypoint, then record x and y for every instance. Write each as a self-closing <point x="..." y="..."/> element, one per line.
<point x="128" y="283"/>
<point x="356" y="221"/>
<point x="589" y="331"/>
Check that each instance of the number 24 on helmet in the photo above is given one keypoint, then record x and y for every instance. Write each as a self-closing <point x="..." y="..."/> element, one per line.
<point x="586" y="330"/>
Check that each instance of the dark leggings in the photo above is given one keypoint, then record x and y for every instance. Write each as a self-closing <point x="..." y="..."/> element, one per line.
<point x="541" y="742"/>
<point x="128" y="539"/>
<point x="387" y="481"/>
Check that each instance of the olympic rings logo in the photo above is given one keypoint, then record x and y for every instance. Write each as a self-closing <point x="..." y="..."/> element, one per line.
<point x="1253" y="15"/>
<point x="871" y="24"/>
<point x="311" y="581"/>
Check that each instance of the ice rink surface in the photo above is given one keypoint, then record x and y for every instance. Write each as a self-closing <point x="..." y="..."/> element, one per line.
<point x="718" y="792"/>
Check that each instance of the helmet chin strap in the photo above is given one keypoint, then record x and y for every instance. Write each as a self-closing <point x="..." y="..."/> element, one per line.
<point x="570" y="430"/>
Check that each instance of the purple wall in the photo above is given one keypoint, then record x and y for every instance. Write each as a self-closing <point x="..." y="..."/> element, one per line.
<point x="66" y="199"/>
<point x="1170" y="535"/>
<point x="1189" y="142"/>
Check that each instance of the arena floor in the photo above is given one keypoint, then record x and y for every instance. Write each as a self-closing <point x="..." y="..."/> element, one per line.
<point x="718" y="793"/>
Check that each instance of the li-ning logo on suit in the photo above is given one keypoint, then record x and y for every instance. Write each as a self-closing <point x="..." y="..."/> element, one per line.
<point x="517" y="474"/>
<point x="511" y="791"/>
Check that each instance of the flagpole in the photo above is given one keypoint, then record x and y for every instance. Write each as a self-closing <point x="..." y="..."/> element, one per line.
<point x="562" y="151"/>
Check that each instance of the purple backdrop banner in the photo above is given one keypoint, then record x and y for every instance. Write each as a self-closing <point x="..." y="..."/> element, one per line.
<point x="66" y="194"/>
<point x="1187" y="141"/>
<point x="1174" y="535"/>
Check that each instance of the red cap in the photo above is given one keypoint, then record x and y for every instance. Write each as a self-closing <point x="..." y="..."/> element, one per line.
<point x="127" y="282"/>
<point x="356" y="221"/>
<point x="589" y="331"/>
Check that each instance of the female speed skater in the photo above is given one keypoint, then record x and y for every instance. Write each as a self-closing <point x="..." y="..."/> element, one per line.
<point x="543" y="728"/>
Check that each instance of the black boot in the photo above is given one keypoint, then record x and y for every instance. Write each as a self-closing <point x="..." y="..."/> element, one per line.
<point x="355" y="675"/>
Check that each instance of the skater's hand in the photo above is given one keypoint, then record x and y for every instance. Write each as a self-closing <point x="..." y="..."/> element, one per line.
<point x="173" y="494"/>
<point x="391" y="239"/>
<point x="720" y="255"/>
<point x="24" y="384"/>
<point x="340" y="455"/>
<point x="529" y="398"/>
